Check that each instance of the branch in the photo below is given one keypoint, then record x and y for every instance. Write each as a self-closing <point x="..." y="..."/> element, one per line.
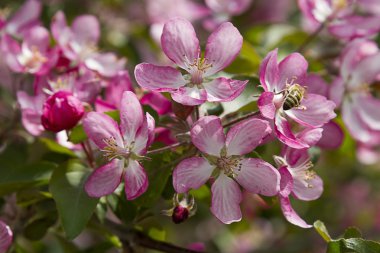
<point x="311" y="37"/>
<point x="241" y="118"/>
<point x="163" y="149"/>
<point x="132" y="236"/>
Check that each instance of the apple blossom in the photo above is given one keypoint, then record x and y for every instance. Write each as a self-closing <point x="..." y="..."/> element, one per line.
<point x="123" y="147"/>
<point x="6" y="237"/>
<point x="223" y="157"/>
<point x="180" y="44"/>
<point x="285" y="97"/>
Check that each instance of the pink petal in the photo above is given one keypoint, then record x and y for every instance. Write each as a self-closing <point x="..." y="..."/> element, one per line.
<point x="332" y="136"/>
<point x="293" y="66"/>
<point x="136" y="180"/>
<point x="290" y="214"/>
<point x="191" y="173"/>
<point x="11" y="49"/>
<point x="86" y="29"/>
<point x="222" y="47"/>
<point x="158" y="78"/>
<point x="310" y="136"/>
<point x="99" y="126"/>
<point x="226" y="197"/>
<point x="269" y="72"/>
<point x="369" y="110"/>
<point x="116" y="86"/>
<point x="315" y="84"/>
<point x="336" y="91"/>
<point x="179" y="42"/>
<point x="307" y="189"/>
<point x="37" y="37"/>
<point x="285" y="134"/>
<point x="365" y="72"/>
<point x="355" y="26"/>
<point x="6" y="237"/>
<point x="28" y="14"/>
<point x="296" y="158"/>
<point x="354" y="123"/>
<point x="207" y="135"/>
<point x="106" y="64"/>
<point x="266" y="105"/>
<point x="231" y="7"/>
<point x="131" y="116"/>
<point x="258" y="177"/>
<point x="151" y="128"/>
<point x="286" y="182"/>
<point x="157" y="101"/>
<point x="246" y="136"/>
<point x="222" y="89"/>
<point x="58" y="26"/>
<point x="105" y="180"/>
<point x="318" y="111"/>
<point x="31" y="111"/>
<point x="144" y="135"/>
<point x="189" y="96"/>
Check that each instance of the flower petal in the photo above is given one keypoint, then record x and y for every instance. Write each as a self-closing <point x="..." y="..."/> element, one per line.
<point x="207" y="135"/>
<point x="310" y="136"/>
<point x="365" y="72"/>
<point x="269" y="72"/>
<point x="223" y="90"/>
<point x="310" y="189"/>
<point x="266" y="104"/>
<point x="189" y="96"/>
<point x="179" y="42"/>
<point x="336" y="91"/>
<point x="332" y="136"/>
<point x="131" y="116"/>
<point x="258" y="177"/>
<point x="226" y="197"/>
<point x="151" y="128"/>
<point x="354" y="123"/>
<point x="315" y="84"/>
<point x="292" y="66"/>
<point x="157" y="101"/>
<point x="222" y="47"/>
<point x="106" y="64"/>
<point x="105" y="180"/>
<point x="246" y="136"/>
<point x="26" y="16"/>
<point x="86" y="29"/>
<point x="6" y="237"/>
<point x="158" y="78"/>
<point x="355" y="26"/>
<point x="318" y="111"/>
<point x="290" y="214"/>
<point x="191" y="173"/>
<point x="285" y="134"/>
<point x="368" y="108"/>
<point x="99" y="126"/>
<point x="136" y="180"/>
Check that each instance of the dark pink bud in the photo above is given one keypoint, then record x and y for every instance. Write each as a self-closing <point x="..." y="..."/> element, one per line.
<point x="61" y="111"/>
<point x="180" y="214"/>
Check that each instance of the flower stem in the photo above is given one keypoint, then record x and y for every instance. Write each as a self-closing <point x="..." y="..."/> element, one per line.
<point x="241" y="118"/>
<point x="163" y="149"/>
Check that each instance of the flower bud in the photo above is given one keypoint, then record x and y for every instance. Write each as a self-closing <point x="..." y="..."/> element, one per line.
<point x="61" y="111"/>
<point x="182" y="209"/>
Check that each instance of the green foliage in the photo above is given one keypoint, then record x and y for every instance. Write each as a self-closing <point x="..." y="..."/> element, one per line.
<point x="74" y="206"/>
<point x="351" y="243"/>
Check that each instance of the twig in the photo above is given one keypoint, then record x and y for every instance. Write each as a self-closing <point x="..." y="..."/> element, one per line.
<point x="132" y="236"/>
<point x="311" y="37"/>
<point x="237" y="120"/>
<point x="88" y="155"/>
<point x="163" y="149"/>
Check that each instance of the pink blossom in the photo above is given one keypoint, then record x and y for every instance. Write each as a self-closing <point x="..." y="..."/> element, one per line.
<point x="123" y="147"/>
<point x="223" y="10"/>
<point x="223" y="156"/>
<point x="284" y="98"/>
<point x="61" y="111"/>
<point x="33" y="55"/>
<point x="6" y="237"/>
<point x="23" y="19"/>
<point x="31" y="111"/>
<point x="298" y="179"/>
<point x="79" y="44"/>
<point x="360" y="67"/>
<point x="341" y="17"/>
<point x="181" y="45"/>
<point x="161" y="11"/>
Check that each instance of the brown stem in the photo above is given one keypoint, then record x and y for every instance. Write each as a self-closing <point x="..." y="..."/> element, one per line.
<point x="311" y="37"/>
<point x="163" y="149"/>
<point x="237" y="120"/>
<point x="89" y="156"/>
<point x="131" y="236"/>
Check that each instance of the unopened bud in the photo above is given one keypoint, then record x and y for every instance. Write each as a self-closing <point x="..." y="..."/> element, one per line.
<point x="182" y="209"/>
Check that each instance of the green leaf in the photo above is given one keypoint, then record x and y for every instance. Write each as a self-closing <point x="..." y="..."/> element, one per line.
<point x="322" y="230"/>
<point x="360" y="245"/>
<point x="74" y="206"/>
<point x="77" y="135"/>
<point x="247" y="62"/>
<point x="352" y="232"/>
<point x="18" y="178"/>
<point x="333" y="247"/>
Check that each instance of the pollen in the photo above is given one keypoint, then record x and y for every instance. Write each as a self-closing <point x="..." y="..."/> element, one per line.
<point x="112" y="150"/>
<point x="229" y="165"/>
<point x="197" y="68"/>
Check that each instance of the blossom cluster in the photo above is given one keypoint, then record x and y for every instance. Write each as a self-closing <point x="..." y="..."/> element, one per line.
<point x="75" y="83"/>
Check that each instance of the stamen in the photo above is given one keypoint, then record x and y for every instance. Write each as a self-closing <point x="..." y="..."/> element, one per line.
<point x="197" y="68"/>
<point x="112" y="150"/>
<point x="229" y="165"/>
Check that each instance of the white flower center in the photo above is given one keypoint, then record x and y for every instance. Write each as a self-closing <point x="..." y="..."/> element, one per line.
<point x="229" y="165"/>
<point x="197" y="69"/>
<point x="113" y="150"/>
<point x="31" y="58"/>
